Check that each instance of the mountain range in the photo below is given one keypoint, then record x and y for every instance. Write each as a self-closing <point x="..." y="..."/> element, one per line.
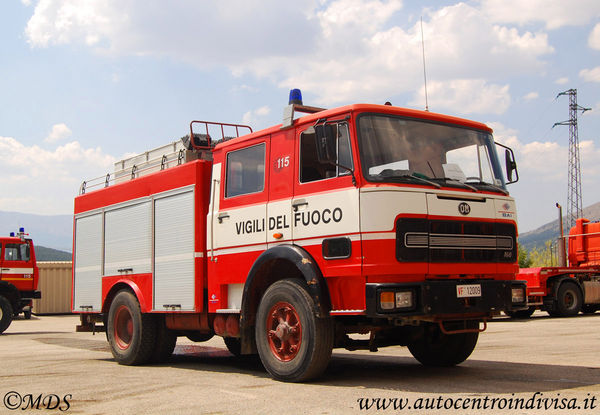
<point x="551" y="230"/>
<point x="51" y="234"/>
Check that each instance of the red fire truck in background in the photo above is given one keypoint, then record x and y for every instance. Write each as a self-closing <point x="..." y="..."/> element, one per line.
<point x="19" y="277"/>
<point x="564" y="291"/>
<point x="286" y="242"/>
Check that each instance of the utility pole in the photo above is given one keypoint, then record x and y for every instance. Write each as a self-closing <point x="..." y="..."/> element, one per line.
<point x="574" y="203"/>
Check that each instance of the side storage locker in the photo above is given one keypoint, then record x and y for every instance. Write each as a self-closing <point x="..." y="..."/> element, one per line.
<point x="128" y="236"/>
<point x="87" y="290"/>
<point x="174" y="287"/>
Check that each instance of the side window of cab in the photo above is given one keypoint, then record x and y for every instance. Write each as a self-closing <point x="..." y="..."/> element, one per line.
<point x="245" y="172"/>
<point x="311" y="169"/>
<point x="16" y="252"/>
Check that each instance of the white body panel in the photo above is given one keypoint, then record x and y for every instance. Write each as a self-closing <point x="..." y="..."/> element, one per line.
<point x="323" y="214"/>
<point x="128" y="239"/>
<point x="174" y="283"/>
<point x="87" y="288"/>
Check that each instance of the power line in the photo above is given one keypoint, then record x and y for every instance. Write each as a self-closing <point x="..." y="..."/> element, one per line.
<point x="574" y="202"/>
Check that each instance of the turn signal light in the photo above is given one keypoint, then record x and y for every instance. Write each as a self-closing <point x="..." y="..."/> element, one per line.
<point x="387" y="300"/>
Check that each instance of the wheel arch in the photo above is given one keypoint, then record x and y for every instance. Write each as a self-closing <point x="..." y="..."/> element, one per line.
<point x="124" y="284"/>
<point x="277" y="263"/>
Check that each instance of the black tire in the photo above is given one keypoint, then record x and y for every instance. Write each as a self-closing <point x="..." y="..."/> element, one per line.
<point x="293" y="343"/>
<point x="234" y="345"/>
<point x="521" y="314"/>
<point x="568" y="300"/>
<point x="431" y="347"/>
<point x="131" y="334"/>
<point x="590" y="308"/>
<point x="165" y="342"/>
<point x="27" y="314"/>
<point x="6" y="313"/>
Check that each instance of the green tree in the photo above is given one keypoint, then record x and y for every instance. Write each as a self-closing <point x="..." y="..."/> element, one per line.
<point x="524" y="257"/>
<point x="542" y="257"/>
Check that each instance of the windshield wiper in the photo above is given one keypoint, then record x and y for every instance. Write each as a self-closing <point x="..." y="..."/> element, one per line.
<point x="493" y="186"/>
<point x="409" y="176"/>
<point x="458" y="182"/>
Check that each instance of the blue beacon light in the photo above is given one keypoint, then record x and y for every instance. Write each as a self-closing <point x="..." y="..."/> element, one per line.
<point x="12" y="234"/>
<point x="295" y="97"/>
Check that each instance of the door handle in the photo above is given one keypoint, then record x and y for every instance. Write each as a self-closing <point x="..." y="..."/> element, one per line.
<point x="296" y="204"/>
<point x="222" y="216"/>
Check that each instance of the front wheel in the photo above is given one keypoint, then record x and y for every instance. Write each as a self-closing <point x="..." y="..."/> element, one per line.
<point x="293" y="343"/>
<point x="131" y="334"/>
<point x="6" y="313"/>
<point x="521" y="314"/>
<point x="432" y="347"/>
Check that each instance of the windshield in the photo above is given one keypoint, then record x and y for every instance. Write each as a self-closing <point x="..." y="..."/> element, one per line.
<point x="400" y="149"/>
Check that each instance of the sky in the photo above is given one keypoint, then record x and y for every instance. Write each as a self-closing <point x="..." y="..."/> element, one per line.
<point x="86" y="83"/>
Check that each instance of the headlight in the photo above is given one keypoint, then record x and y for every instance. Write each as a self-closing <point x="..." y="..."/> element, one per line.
<point x="518" y="295"/>
<point x="396" y="300"/>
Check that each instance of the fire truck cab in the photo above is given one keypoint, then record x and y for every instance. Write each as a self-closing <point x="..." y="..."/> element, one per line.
<point x="19" y="277"/>
<point x="287" y="242"/>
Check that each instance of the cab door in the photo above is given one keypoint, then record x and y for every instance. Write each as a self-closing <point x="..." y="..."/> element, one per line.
<point x="325" y="215"/>
<point x="17" y="265"/>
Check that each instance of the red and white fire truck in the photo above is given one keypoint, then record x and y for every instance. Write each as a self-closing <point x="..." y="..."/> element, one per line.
<point x="19" y="277"/>
<point x="288" y="242"/>
<point x="564" y="291"/>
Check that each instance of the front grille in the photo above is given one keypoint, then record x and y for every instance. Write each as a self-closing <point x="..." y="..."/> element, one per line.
<point x="454" y="241"/>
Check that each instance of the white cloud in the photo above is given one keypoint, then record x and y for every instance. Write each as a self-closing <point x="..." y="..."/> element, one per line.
<point x="466" y="96"/>
<point x="26" y="2"/>
<point x="594" y="39"/>
<point x="562" y="81"/>
<point x="256" y="118"/>
<point x="340" y="50"/>
<point x="47" y="181"/>
<point x="543" y="175"/>
<point x="59" y="132"/>
<point x="531" y="96"/>
<point x="553" y="13"/>
<point x="590" y="75"/>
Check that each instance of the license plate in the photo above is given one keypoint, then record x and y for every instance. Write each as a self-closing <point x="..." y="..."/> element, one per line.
<point x="471" y="290"/>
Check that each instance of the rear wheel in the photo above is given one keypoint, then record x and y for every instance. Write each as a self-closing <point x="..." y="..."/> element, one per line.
<point x="590" y="308"/>
<point x="568" y="300"/>
<point x="131" y="333"/>
<point x="293" y="343"/>
<point x="6" y="313"/>
<point x="434" y="348"/>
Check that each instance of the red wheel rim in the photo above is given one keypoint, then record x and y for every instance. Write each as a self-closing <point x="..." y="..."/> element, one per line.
<point x="123" y="324"/>
<point x="569" y="299"/>
<point x="284" y="331"/>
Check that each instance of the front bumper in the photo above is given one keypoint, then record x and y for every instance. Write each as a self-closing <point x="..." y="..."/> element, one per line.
<point x="434" y="299"/>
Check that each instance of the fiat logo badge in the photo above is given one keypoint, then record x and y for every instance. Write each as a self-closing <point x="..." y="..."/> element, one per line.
<point x="464" y="208"/>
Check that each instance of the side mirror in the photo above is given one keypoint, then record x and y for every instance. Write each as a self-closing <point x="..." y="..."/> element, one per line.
<point x="325" y="143"/>
<point x="511" y="164"/>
